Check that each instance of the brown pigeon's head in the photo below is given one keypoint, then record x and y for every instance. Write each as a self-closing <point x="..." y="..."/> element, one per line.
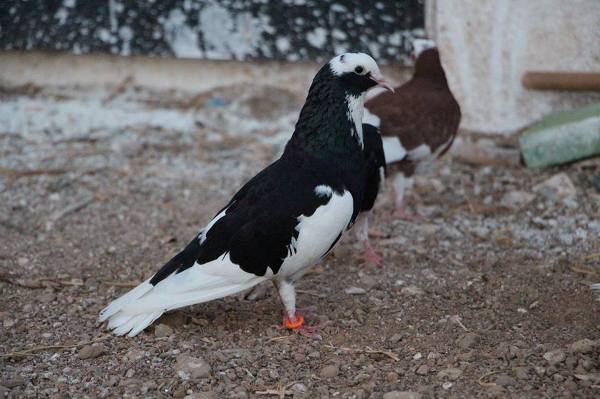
<point x="420" y="45"/>
<point x="428" y="63"/>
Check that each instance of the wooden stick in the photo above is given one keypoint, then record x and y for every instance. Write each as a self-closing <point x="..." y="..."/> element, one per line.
<point x="120" y="284"/>
<point x="367" y="350"/>
<point x="31" y="351"/>
<point x="565" y="81"/>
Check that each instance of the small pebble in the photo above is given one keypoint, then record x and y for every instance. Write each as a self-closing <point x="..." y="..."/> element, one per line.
<point x="402" y="395"/>
<point x="91" y="351"/>
<point x="583" y="346"/>
<point x="468" y="340"/>
<point x="329" y="371"/>
<point x="450" y="373"/>
<point x="191" y="368"/>
<point x="522" y="373"/>
<point x="13" y="382"/>
<point x="554" y="357"/>
<point x="395" y="338"/>
<point x="505" y="380"/>
<point x="355" y="291"/>
<point x="162" y="330"/>
<point x="412" y="290"/>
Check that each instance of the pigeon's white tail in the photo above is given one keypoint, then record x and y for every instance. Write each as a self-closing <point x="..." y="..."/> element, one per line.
<point x="596" y="287"/>
<point x="137" y="309"/>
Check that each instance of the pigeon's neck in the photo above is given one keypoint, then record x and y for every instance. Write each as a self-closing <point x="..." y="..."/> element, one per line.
<point x="330" y="123"/>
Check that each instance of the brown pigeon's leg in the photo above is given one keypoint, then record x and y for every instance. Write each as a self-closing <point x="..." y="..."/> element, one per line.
<point x="399" y="185"/>
<point x="362" y="233"/>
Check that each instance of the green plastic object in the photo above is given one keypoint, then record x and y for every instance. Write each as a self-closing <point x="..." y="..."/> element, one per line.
<point x="562" y="137"/>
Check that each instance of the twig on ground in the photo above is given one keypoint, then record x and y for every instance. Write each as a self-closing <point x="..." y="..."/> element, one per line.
<point x="36" y="283"/>
<point x="14" y="174"/>
<point x="281" y="391"/>
<point x="76" y="207"/>
<point x="72" y="282"/>
<point x="458" y="320"/>
<point x="592" y="256"/>
<point x="280" y="338"/>
<point x="33" y="284"/>
<point x="367" y="350"/>
<point x="582" y="270"/>
<point x="31" y="351"/>
<point x="313" y="293"/>
<point x="120" y="284"/>
<point x="487" y="384"/>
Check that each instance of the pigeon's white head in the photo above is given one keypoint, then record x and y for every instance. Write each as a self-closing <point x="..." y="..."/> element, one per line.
<point x="358" y="72"/>
<point x="420" y="45"/>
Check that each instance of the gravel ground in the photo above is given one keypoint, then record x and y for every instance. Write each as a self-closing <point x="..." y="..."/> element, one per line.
<point x="488" y="296"/>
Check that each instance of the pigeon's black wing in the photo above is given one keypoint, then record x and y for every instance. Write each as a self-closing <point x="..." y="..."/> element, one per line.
<point x="260" y="222"/>
<point x="374" y="162"/>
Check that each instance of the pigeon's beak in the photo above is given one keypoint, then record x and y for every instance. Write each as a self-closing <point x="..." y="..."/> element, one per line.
<point x="379" y="79"/>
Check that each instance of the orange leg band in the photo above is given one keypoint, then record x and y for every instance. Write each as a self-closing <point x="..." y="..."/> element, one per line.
<point x="294" y="326"/>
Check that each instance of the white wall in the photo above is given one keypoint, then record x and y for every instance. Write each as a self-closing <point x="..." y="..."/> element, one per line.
<point x="487" y="45"/>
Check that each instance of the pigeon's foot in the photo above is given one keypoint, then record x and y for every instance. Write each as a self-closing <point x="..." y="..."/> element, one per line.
<point x="401" y="213"/>
<point x="312" y="331"/>
<point x="299" y="327"/>
<point x="370" y="256"/>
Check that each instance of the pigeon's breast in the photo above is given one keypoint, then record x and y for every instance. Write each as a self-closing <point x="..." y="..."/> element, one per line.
<point x="318" y="232"/>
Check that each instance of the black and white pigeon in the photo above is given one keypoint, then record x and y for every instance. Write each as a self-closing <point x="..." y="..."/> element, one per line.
<point x="280" y="222"/>
<point x="418" y="122"/>
<point x="374" y="159"/>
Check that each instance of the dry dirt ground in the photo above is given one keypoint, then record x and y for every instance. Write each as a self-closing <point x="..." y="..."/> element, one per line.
<point x="488" y="296"/>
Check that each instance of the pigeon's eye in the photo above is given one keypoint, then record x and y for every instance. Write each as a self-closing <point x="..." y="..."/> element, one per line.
<point x="359" y="69"/>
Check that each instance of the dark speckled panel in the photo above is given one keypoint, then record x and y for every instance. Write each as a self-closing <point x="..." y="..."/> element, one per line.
<point x="228" y="29"/>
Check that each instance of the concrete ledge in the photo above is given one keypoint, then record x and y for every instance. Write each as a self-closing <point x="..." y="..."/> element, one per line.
<point x="64" y="69"/>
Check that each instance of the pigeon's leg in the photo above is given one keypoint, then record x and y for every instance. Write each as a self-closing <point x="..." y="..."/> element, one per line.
<point x="368" y="255"/>
<point x="398" y="190"/>
<point x="292" y="320"/>
<point x="258" y="292"/>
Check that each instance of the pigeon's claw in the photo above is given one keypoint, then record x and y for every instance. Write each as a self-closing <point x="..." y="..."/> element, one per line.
<point x="370" y="256"/>
<point x="312" y="331"/>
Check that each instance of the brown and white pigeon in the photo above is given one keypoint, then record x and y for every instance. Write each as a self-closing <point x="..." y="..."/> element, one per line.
<point x="418" y="122"/>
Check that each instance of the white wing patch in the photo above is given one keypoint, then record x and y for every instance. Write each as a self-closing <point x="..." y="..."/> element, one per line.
<point x="317" y="232"/>
<point x="323" y="190"/>
<point x="393" y="150"/>
<point x="202" y="233"/>
<point x="418" y="153"/>
<point x="371" y="119"/>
